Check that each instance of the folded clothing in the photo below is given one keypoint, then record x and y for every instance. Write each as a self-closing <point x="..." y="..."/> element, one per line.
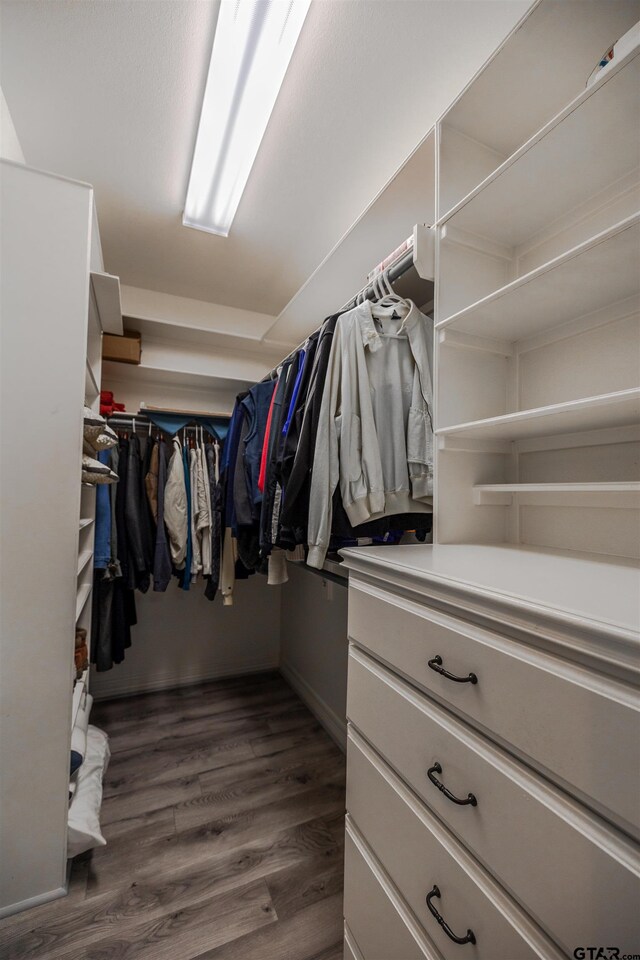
<point x="95" y="472"/>
<point x="84" y="810"/>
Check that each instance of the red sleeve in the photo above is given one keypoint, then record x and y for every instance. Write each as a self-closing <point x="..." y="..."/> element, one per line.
<point x="265" y="446"/>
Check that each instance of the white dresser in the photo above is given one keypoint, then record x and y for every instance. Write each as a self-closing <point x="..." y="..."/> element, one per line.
<point x="493" y="777"/>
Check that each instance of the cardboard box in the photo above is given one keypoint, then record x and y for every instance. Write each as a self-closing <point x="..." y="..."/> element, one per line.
<point x="124" y="349"/>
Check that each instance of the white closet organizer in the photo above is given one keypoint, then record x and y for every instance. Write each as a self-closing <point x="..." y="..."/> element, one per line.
<point x="493" y="708"/>
<point x="56" y="301"/>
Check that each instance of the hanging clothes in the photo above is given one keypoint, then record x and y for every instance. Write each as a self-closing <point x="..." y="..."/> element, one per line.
<point x="185" y="577"/>
<point x="213" y="464"/>
<point x="162" y="551"/>
<point x="375" y="434"/>
<point x="151" y="476"/>
<point x="176" y="514"/>
<point x="138" y="521"/>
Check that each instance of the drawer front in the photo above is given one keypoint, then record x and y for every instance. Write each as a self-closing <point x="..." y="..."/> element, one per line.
<point x="419" y="853"/>
<point x="374" y="920"/>
<point x="582" y="729"/>
<point x="514" y="809"/>
<point x="351" y="951"/>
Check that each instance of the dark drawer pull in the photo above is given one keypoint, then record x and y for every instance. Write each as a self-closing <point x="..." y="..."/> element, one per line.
<point x="436" y="664"/>
<point x="470" y="937"/>
<point x="436" y="768"/>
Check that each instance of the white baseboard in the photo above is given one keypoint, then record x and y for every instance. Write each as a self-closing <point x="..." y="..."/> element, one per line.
<point x="335" y="725"/>
<point x="12" y="908"/>
<point x="127" y="686"/>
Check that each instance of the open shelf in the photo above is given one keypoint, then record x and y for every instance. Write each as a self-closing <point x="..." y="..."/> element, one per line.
<point x="586" y="148"/>
<point x="517" y="93"/>
<point x="85" y="523"/>
<point x="81" y="598"/>
<point x="83" y="560"/>
<point x="592" y="275"/>
<point x="79" y="690"/>
<point x="617" y="409"/>
<point x="604" y="494"/>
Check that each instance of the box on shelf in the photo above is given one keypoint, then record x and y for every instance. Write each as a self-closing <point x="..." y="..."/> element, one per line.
<point x="124" y="349"/>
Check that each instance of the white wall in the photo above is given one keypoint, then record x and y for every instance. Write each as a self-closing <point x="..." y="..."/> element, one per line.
<point x="314" y="647"/>
<point x="9" y="143"/>
<point x="182" y="638"/>
<point x="43" y="326"/>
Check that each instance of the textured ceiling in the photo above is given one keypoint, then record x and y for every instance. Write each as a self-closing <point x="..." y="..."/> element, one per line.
<point x="110" y="92"/>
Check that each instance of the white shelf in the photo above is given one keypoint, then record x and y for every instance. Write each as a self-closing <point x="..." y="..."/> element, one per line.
<point x="83" y="560"/>
<point x="604" y="494"/>
<point x="601" y="271"/>
<point x="81" y="598"/>
<point x="584" y="149"/>
<point x="79" y="690"/>
<point x="91" y="388"/>
<point x="106" y="290"/>
<point x="593" y="413"/>
<point x="85" y="523"/>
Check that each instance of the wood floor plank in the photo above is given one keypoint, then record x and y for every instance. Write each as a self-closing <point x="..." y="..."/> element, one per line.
<point x="106" y="915"/>
<point x="133" y="803"/>
<point x="192" y="848"/>
<point x="272" y="743"/>
<point x="212" y="780"/>
<point x="298" y="887"/>
<point x="246" y="794"/>
<point x="218" y="798"/>
<point x="170" y="762"/>
<point x="184" y="933"/>
<point x="189" y="720"/>
<point x="302" y="937"/>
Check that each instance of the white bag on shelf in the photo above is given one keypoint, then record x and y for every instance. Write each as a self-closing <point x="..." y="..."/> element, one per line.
<point x="84" y="810"/>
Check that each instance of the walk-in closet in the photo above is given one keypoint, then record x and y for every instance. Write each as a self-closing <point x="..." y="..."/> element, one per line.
<point x="319" y="479"/>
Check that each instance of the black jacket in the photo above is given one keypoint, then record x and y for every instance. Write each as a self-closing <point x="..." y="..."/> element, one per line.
<point x="294" y="517"/>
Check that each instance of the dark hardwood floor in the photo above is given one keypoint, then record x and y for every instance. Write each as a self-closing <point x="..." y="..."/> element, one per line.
<point x="223" y="813"/>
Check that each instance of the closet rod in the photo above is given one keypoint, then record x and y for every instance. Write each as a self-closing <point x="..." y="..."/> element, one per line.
<point x="393" y="272"/>
<point x="126" y="420"/>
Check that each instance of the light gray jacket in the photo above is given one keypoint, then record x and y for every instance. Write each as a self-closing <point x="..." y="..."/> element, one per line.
<point x="375" y="432"/>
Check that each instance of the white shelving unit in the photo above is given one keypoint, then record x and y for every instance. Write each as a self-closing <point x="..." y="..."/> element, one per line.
<point x="538" y="296"/>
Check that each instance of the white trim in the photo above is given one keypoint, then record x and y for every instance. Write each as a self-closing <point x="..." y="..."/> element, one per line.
<point x="335" y="725"/>
<point x="139" y="683"/>
<point x="30" y="902"/>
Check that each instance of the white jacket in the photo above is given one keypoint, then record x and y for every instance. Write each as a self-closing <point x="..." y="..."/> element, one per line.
<point x="175" y="507"/>
<point x="375" y="431"/>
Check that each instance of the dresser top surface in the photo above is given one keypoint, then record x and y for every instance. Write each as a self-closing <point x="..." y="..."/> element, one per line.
<point x="607" y="593"/>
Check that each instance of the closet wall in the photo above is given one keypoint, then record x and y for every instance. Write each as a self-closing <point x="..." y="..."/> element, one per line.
<point x="314" y="646"/>
<point x="9" y="144"/>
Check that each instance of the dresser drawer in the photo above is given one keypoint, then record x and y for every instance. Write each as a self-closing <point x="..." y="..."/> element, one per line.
<point x="377" y="920"/>
<point x="595" y="888"/>
<point x="351" y="951"/>
<point x="581" y="728"/>
<point x="419" y="853"/>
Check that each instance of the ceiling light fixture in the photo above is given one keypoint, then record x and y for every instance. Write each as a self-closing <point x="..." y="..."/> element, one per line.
<point x="253" y="44"/>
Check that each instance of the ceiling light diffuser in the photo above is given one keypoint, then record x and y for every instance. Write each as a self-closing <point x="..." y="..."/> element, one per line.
<point x="253" y="44"/>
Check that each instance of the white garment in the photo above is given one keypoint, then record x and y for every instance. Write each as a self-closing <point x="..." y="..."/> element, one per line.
<point x="228" y="568"/>
<point x="375" y="433"/>
<point x="196" y="533"/>
<point x="277" y="572"/>
<point x="175" y="507"/>
<point x="204" y="517"/>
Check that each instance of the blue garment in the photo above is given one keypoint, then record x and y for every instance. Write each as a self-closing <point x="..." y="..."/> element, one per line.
<point x="229" y="458"/>
<point x="172" y="422"/>
<point x="102" y="546"/>
<point x="185" y="580"/>
<point x="256" y="405"/>
<point x="302" y="354"/>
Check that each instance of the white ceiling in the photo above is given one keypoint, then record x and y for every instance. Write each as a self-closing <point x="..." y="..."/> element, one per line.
<point x="109" y="91"/>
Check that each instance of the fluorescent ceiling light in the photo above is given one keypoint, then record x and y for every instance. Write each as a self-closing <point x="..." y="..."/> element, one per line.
<point x="252" y="48"/>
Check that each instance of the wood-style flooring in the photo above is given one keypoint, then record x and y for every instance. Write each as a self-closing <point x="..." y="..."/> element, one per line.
<point x="223" y="813"/>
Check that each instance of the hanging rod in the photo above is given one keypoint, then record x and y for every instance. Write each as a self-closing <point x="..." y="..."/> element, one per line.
<point x="141" y="419"/>
<point x="413" y="256"/>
